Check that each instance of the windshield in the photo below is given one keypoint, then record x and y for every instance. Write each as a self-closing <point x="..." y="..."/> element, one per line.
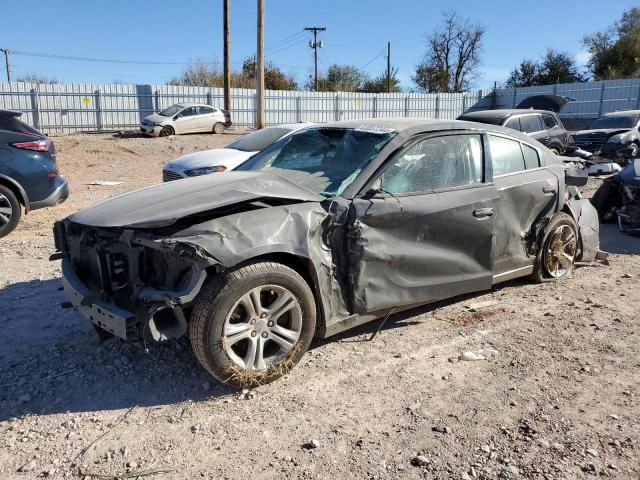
<point x="171" y="111"/>
<point x="615" y="121"/>
<point x="323" y="160"/>
<point x="259" y="140"/>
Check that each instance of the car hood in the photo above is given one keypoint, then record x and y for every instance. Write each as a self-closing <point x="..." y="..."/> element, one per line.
<point x="554" y="103"/>
<point x="156" y="118"/>
<point x="228" y="157"/>
<point x="607" y="131"/>
<point x="162" y="205"/>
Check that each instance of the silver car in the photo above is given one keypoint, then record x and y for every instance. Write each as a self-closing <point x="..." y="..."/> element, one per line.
<point x="227" y="158"/>
<point x="186" y="118"/>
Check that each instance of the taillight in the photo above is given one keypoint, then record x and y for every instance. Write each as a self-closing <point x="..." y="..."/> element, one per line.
<point x="37" y="145"/>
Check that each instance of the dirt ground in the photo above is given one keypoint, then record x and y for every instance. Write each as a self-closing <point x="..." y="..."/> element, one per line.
<point x="560" y="397"/>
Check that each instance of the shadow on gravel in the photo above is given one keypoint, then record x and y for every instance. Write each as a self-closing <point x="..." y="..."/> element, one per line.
<point x="612" y="240"/>
<point x="51" y="361"/>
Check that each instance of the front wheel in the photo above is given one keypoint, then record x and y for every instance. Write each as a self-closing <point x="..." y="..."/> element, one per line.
<point x="253" y="324"/>
<point x="166" y="131"/>
<point x="558" y="250"/>
<point x="10" y="211"/>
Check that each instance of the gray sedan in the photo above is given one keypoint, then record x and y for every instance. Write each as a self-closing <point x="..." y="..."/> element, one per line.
<point x="331" y="227"/>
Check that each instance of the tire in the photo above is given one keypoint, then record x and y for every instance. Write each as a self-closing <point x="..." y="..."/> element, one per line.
<point x="10" y="211"/>
<point x="559" y="237"/>
<point x="223" y="329"/>
<point x="218" y="128"/>
<point x="167" y="131"/>
<point x="554" y="151"/>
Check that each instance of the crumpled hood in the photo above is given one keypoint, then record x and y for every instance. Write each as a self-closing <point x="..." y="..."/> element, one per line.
<point x="156" y="118"/>
<point x="162" y="205"/>
<point x="608" y="131"/>
<point x="228" y="157"/>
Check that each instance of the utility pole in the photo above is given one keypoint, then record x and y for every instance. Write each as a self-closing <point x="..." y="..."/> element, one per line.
<point x="315" y="45"/>
<point x="260" y="68"/>
<point x="6" y="62"/>
<point x="388" y="67"/>
<point x="227" y="56"/>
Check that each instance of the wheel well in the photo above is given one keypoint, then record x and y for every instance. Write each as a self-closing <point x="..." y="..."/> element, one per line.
<point x="16" y="191"/>
<point x="306" y="270"/>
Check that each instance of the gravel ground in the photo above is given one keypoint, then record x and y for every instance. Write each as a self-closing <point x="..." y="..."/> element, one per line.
<point x="558" y="395"/>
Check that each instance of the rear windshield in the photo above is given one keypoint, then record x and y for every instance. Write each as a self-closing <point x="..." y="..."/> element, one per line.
<point x="13" y="124"/>
<point x="259" y="140"/>
<point x="323" y="160"/>
<point x="615" y="121"/>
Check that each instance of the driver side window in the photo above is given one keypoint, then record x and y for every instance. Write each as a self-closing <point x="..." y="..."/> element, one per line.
<point x="436" y="163"/>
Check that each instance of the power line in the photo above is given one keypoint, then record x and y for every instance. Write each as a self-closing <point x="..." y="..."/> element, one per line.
<point x="372" y="60"/>
<point x="88" y="59"/>
<point x="299" y="34"/>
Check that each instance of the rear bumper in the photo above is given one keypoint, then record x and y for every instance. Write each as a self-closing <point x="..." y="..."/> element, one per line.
<point x="59" y="195"/>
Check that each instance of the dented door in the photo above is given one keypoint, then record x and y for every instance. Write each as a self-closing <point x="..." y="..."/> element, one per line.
<point x="417" y="247"/>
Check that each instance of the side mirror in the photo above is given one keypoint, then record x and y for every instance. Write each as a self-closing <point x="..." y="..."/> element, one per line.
<point x="376" y="187"/>
<point x="179" y="115"/>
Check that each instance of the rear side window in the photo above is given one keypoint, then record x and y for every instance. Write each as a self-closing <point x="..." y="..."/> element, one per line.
<point x="513" y="123"/>
<point x="435" y="164"/>
<point x="13" y="124"/>
<point x="531" y="157"/>
<point x="549" y="121"/>
<point x="204" y="110"/>
<point x="530" y="124"/>
<point x="506" y="155"/>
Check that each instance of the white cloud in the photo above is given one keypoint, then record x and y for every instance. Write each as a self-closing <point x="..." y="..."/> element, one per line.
<point x="582" y="57"/>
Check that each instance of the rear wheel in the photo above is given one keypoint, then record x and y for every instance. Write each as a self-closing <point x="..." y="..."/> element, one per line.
<point x="253" y="324"/>
<point x="557" y="253"/>
<point x="555" y="151"/>
<point x="218" y="128"/>
<point x="166" y="131"/>
<point x="10" y="211"/>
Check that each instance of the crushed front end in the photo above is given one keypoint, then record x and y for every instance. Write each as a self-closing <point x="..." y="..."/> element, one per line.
<point x="128" y="282"/>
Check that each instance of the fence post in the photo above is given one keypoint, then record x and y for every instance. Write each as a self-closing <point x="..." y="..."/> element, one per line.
<point x="156" y="97"/>
<point x="464" y="103"/>
<point x="515" y="94"/>
<point x="375" y="106"/>
<point x="406" y="105"/>
<point x="299" y="109"/>
<point x="35" y="108"/>
<point x="555" y="89"/>
<point x="601" y="99"/>
<point x="337" y="108"/>
<point x="98" y="110"/>
<point x="638" y="99"/>
<point x="437" y="105"/>
<point x="209" y="98"/>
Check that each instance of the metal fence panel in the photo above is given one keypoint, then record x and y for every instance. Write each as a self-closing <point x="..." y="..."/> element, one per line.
<point x="66" y="108"/>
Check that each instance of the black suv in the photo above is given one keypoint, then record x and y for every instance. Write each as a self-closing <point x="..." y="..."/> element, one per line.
<point x="536" y="116"/>
<point x="29" y="176"/>
<point x="613" y="135"/>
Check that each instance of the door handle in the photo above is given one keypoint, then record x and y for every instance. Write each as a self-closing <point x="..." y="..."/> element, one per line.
<point x="483" y="212"/>
<point x="548" y="189"/>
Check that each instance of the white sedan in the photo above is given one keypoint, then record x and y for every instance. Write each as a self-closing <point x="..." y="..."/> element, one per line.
<point x="228" y="158"/>
<point x="186" y="118"/>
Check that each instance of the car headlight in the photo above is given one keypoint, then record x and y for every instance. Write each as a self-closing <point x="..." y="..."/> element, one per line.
<point x="616" y="138"/>
<point x="195" y="172"/>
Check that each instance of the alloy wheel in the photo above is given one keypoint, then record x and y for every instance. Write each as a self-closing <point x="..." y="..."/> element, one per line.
<point x="262" y="328"/>
<point x="6" y="211"/>
<point x="560" y="251"/>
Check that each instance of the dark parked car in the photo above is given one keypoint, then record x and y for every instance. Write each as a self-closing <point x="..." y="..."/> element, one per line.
<point x="614" y="135"/>
<point x="29" y="176"/>
<point x="328" y="228"/>
<point x="542" y="123"/>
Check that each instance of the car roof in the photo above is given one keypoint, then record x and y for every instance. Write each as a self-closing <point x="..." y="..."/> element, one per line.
<point x="622" y="112"/>
<point x="10" y="113"/>
<point x="503" y="113"/>
<point x="193" y="104"/>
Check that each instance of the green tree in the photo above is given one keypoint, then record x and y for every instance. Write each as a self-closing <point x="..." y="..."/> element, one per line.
<point x="274" y="78"/>
<point x="379" y="84"/>
<point x="553" y="67"/>
<point x="615" y="52"/>
<point x="452" y="60"/>
<point x="340" y="78"/>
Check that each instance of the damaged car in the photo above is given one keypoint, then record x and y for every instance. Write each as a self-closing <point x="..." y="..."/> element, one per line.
<point x="614" y="135"/>
<point x="328" y="228"/>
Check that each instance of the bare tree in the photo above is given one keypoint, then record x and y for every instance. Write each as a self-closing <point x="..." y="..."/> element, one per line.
<point x="453" y="56"/>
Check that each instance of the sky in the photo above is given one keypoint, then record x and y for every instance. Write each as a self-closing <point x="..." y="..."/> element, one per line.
<point x="176" y="33"/>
